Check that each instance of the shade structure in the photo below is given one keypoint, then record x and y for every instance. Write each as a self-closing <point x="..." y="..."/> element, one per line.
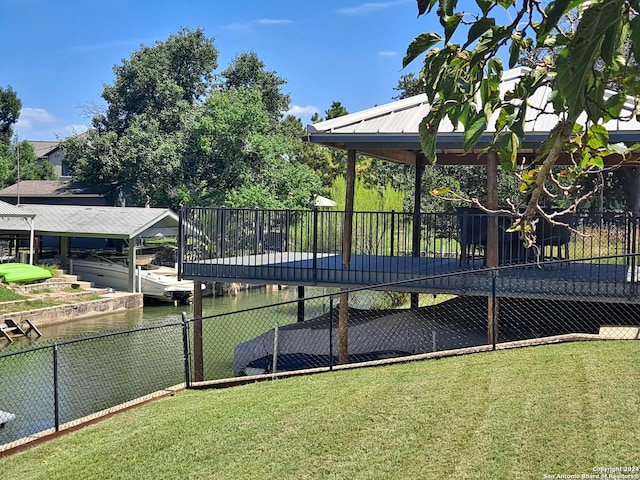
<point x="11" y="213"/>
<point x="390" y="131"/>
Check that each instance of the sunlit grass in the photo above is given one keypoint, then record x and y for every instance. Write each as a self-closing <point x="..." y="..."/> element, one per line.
<point x="553" y="410"/>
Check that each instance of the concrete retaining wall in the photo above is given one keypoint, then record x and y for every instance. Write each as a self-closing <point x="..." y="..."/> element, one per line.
<point x="113" y="302"/>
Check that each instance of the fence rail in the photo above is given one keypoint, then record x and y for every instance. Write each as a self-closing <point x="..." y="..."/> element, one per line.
<point x="305" y="247"/>
<point x="49" y="386"/>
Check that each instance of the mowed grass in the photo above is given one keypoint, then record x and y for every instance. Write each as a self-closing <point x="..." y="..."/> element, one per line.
<point x="554" y="410"/>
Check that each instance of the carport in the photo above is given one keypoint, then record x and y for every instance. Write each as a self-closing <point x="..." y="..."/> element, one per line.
<point x="10" y="215"/>
<point x="129" y="224"/>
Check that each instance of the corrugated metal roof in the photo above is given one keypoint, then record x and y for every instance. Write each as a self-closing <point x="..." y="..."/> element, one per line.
<point x="11" y="211"/>
<point x="96" y="221"/>
<point x="404" y="116"/>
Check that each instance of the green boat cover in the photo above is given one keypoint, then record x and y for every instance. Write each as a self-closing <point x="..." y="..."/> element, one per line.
<point x="22" y="273"/>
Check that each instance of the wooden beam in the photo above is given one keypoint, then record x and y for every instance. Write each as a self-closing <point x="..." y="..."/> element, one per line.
<point x="417" y="217"/>
<point x="347" y="229"/>
<point x="347" y="233"/>
<point x="198" y="357"/>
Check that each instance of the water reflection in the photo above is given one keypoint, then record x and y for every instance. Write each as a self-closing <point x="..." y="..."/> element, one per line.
<point x="102" y="372"/>
<point x="163" y="313"/>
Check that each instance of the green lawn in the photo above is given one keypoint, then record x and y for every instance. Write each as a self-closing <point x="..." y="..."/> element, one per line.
<point x="554" y="410"/>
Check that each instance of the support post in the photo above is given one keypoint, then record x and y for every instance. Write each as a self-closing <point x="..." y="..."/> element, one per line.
<point x="132" y="265"/>
<point x="300" y="303"/>
<point x="56" y="389"/>
<point x="343" y="329"/>
<point x="417" y="219"/>
<point x="347" y="232"/>
<point x="198" y="361"/>
<point x="492" y="243"/>
<point x="186" y="350"/>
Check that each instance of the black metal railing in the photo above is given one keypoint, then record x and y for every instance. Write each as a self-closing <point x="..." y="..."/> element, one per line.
<point x="306" y="247"/>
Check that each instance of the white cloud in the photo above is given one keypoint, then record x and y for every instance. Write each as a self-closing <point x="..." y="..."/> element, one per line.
<point x="243" y="27"/>
<point x="388" y="54"/>
<point x="366" y="8"/>
<point x="74" y="130"/>
<point x="31" y="118"/>
<point x="298" y="110"/>
<point x="270" y="21"/>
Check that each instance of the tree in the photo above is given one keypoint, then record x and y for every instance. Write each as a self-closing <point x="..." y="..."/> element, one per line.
<point x="247" y="71"/>
<point x="136" y="148"/>
<point x="408" y="86"/>
<point x="10" y="106"/>
<point x="30" y="167"/>
<point x="160" y="81"/>
<point x="236" y="158"/>
<point x="462" y="82"/>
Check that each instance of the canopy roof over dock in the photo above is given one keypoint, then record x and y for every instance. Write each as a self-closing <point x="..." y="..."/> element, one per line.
<point x="390" y="131"/>
<point x="95" y="222"/>
<point x="10" y="214"/>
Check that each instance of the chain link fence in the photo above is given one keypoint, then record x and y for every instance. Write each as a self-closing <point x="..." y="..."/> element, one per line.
<point x="48" y="388"/>
<point x="51" y="388"/>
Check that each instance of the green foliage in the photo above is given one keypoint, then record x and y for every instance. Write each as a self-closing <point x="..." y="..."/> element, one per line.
<point x="247" y="71"/>
<point x="369" y="199"/>
<point x="10" y="106"/>
<point x="171" y="136"/>
<point x="135" y="150"/>
<point x="463" y="69"/>
<point x="162" y="81"/>
<point x="30" y="167"/>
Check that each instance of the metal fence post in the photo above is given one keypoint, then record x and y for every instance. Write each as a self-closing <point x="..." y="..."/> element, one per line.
<point x="56" y="397"/>
<point x="393" y="231"/>
<point x="331" y="332"/>
<point x="186" y="350"/>
<point x="315" y="243"/>
<point x="494" y="309"/>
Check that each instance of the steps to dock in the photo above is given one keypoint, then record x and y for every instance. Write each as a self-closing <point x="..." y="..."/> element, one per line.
<point x="10" y="329"/>
<point x="62" y="287"/>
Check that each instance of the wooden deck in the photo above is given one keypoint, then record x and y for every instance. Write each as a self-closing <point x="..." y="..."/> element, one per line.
<point x="574" y="279"/>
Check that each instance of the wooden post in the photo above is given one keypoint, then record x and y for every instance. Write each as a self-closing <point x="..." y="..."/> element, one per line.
<point x="492" y="241"/>
<point x="347" y="234"/>
<point x="132" y="265"/>
<point x="198" y="360"/>
<point x="347" y="229"/>
<point x="417" y="218"/>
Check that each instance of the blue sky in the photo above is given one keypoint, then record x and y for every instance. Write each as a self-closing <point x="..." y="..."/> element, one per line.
<point x="57" y="55"/>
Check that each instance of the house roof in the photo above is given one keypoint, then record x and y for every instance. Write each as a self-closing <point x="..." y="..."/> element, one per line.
<point x="11" y="211"/>
<point x="96" y="221"/>
<point x="42" y="148"/>
<point x="49" y="188"/>
<point x="390" y="131"/>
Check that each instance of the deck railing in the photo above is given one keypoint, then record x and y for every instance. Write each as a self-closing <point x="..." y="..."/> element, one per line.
<point x="239" y="243"/>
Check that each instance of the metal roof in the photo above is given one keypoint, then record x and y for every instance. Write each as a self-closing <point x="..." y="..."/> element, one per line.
<point x="11" y="211"/>
<point x="390" y="131"/>
<point x="96" y="221"/>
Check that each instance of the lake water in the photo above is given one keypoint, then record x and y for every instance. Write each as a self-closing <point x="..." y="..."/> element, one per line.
<point x="164" y="313"/>
<point x="99" y="373"/>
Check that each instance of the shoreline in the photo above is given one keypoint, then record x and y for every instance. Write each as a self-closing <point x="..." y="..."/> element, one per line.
<point x="110" y="302"/>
